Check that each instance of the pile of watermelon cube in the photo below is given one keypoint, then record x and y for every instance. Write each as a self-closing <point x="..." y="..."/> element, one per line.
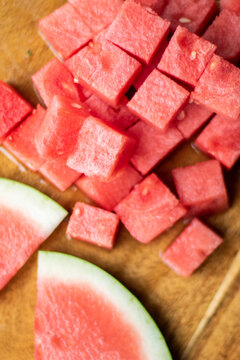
<point x="131" y="81"/>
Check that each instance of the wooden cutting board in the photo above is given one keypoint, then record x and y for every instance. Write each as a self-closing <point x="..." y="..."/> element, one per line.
<point x="177" y="304"/>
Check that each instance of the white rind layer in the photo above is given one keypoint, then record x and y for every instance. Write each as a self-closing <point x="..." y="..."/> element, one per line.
<point x="32" y="204"/>
<point x="71" y="270"/>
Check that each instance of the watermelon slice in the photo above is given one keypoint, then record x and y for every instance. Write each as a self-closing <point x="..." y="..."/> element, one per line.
<point x="138" y="30"/>
<point x="93" y="225"/>
<point x="101" y="150"/>
<point x="186" y="56"/>
<point x="110" y="192"/>
<point x="149" y="209"/>
<point x="65" y="31"/>
<point x="55" y="79"/>
<point x="219" y="88"/>
<point x="109" y="322"/>
<point x="158" y="100"/>
<point x="153" y="145"/>
<point x="225" y="33"/>
<point x="232" y="5"/>
<point x="13" y="109"/>
<point x="191" y="248"/>
<point x="27" y="218"/>
<point x="155" y="5"/>
<point x="21" y="141"/>
<point x="201" y="188"/>
<point x="221" y="139"/>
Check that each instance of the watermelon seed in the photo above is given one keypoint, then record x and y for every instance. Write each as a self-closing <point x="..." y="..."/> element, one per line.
<point x="145" y="191"/>
<point x="184" y="20"/>
<point x="75" y="81"/>
<point x="193" y="55"/>
<point x="213" y="65"/>
<point x="77" y="106"/>
<point x="182" y="115"/>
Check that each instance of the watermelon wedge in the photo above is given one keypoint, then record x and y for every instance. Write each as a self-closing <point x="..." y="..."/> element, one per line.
<point x="27" y="218"/>
<point x="103" y="321"/>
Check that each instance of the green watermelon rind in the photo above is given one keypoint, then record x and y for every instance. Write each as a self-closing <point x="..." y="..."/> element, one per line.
<point x="68" y="269"/>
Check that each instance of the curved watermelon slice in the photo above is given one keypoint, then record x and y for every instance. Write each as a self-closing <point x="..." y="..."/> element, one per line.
<point x="27" y="218"/>
<point x="84" y="313"/>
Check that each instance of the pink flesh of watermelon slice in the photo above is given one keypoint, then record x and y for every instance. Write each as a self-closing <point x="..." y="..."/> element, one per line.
<point x="155" y="5"/>
<point x="232" y="5"/>
<point x="13" y="109"/>
<point x="191" y="248"/>
<point x="109" y="193"/>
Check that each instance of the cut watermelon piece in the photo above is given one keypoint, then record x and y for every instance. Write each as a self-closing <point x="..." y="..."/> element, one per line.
<point x="97" y="14"/>
<point x="55" y="79"/>
<point x="65" y="31"/>
<point x="13" y="109"/>
<point x="101" y="150"/>
<point x="155" y="5"/>
<point x="221" y="139"/>
<point x="153" y="145"/>
<point x="192" y="14"/>
<point x="219" y="88"/>
<point x="186" y="56"/>
<point x="191" y="248"/>
<point x="93" y="225"/>
<point x="158" y="100"/>
<point x="192" y="118"/>
<point x="27" y="218"/>
<point x="138" y="30"/>
<point x="57" y="135"/>
<point x="110" y="192"/>
<point x="109" y="322"/>
<point x="201" y="188"/>
<point x="149" y="209"/>
<point x="113" y="69"/>
<point x="225" y="33"/>
<point x="232" y="5"/>
<point x="21" y="141"/>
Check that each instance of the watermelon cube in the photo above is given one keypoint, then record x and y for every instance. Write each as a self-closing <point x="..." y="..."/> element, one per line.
<point x="97" y="14"/>
<point x="201" y="188"/>
<point x="138" y="30"/>
<point x="153" y="145"/>
<point x="101" y="150"/>
<point x="108" y="193"/>
<point x="186" y="56"/>
<point x="232" y="5"/>
<point x="149" y="209"/>
<point x="221" y="139"/>
<point x="158" y="100"/>
<point x="55" y="79"/>
<point x="93" y="225"/>
<point x="65" y="31"/>
<point x="155" y="5"/>
<point x="225" y="33"/>
<point x="192" y="118"/>
<point x="21" y="141"/>
<point x="113" y="69"/>
<point x="191" y="248"/>
<point x="219" y="88"/>
<point x="13" y="109"/>
<point x="57" y="134"/>
<point x="192" y="14"/>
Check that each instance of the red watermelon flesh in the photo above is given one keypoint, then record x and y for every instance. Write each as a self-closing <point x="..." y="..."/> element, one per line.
<point x="149" y="209"/>
<point x="194" y="15"/>
<point x="158" y="100"/>
<point x="201" y="188"/>
<point x="21" y="141"/>
<point x="138" y="30"/>
<point x="219" y="88"/>
<point x="225" y="33"/>
<point x="232" y="5"/>
<point x="221" y="139"/>
<point x="153" y="145"/>
<point x="57" y="135"/>
<point x="101" y="150"/>
<point x="113" y="69"/>
<point x="110" y="192"/>
<point x="93" y="225"/>
<point x="191" y="118"/>
<point x="55" y="79"/>
<point x="13" y="109"/>
<point x="65" y="31"/>
<point x="155" y="5"/>
<point x="186" y="56"/>
<point x="97" y="14"/>
<point x="191" y="248"/>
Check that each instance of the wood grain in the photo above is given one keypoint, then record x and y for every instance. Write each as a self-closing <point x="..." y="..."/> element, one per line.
<point x="176" y="304"/>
